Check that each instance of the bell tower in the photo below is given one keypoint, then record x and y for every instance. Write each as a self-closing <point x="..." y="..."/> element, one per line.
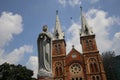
<point x="58" y="52"/>
<point x="92" y="59"/>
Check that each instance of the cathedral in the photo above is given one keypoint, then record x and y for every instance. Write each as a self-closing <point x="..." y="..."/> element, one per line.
<point x="75" y="65"/>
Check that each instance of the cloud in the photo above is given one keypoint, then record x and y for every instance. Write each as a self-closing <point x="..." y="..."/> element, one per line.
<point x="70" y="2"/>
<point x="117" y="35"/>
<point x="62" y="2"/>
<point x="33" y="64"/>
<point x="93" y="1"/>
<point x="117" y="20"/>
<point x="74" y="37"/>
<point x="116" y="43"/>
<point x="101" y="23"/>
<point x="10" y="24"/>
<point x="16" y="55"/>
<point x="74" y="2"/>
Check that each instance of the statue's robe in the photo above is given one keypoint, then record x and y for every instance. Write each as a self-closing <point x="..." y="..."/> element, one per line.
<point x="45" y="54"/>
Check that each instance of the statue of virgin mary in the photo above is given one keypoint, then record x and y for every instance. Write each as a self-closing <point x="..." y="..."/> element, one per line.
<point x="45" y="53"/>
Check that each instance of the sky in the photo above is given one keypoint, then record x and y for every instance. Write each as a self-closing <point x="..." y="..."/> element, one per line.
<point x="21" y="22"/>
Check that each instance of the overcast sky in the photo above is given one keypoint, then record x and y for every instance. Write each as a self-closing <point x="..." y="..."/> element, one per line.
<point x="21" y="21"/>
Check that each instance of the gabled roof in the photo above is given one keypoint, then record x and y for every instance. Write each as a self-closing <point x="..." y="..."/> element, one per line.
<point x="74" y="56"/>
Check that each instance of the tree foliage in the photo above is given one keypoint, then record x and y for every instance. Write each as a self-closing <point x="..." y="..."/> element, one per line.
<point x="111" y="65"/>
<point x="15" y="72"/>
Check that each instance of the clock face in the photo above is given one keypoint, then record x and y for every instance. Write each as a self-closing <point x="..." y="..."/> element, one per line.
<point x="75" y="68"/>
<point x="74" y="55"/>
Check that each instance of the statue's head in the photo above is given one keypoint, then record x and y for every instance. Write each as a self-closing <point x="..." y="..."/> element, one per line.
<point x="45" y="28"/>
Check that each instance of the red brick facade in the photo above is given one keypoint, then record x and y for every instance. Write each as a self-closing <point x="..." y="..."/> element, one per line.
<point x="77" y="66"/>
<point x="59" y="59"/>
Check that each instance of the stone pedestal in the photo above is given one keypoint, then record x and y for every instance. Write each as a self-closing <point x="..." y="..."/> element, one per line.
<point x="45" y="78"/>
<point x="44" y="75"/>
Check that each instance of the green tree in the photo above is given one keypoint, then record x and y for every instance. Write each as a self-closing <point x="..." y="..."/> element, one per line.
<point x="110" y="64"/>
<point x="117" y="61"/>
<point x="15" y="72"/>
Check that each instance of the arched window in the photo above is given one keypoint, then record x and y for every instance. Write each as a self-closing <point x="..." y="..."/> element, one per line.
<point x="58" y="48"/>
<point x="89" y="45"/>
<point x="80" y="78"/>
<point x="93" y="78"/>
<point x="97" y="78"/>
<point x="72" y="78"/>
<point x="76" y="78"/>
<point x="58" y="69"/>
<point x="93" y="65"/>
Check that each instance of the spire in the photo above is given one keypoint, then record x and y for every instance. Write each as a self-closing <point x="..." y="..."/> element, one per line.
<point x="85" y="30"/>
<point x="58" y="34"/>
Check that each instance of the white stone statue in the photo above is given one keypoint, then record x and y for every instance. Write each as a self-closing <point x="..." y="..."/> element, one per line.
<point x="45" y="53"/>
